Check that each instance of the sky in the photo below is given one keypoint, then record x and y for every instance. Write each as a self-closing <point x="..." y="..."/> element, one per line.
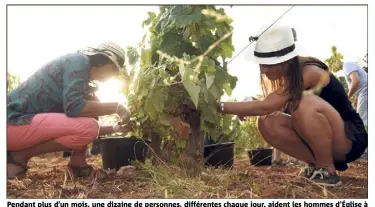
<point x="38" y="34"/>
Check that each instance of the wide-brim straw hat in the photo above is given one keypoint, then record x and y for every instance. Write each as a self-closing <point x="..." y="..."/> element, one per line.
<point x="276" y="45"/>
<point x="110" y="49"/>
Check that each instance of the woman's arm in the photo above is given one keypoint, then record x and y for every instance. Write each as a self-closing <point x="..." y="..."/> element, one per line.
<point x="104" y="130"/>
<point x="313" y="76"/>
<point x="95" y="109"/>
<point x="271" y="103"/>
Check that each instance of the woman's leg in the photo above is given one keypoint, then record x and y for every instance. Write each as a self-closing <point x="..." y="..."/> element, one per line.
<point x="277" y="131"/>
<point x="50" y="132"/>
<point x="277" y="159"/>
<point x="292" y="159"/>
<point x="277" y="155"/>
<point x="322" y="128"/>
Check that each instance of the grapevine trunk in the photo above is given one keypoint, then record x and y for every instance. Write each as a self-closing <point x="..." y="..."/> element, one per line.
<point x="192" y="157"/>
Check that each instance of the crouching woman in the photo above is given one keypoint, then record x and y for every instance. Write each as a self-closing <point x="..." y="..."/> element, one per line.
<point x="322" y="128"/>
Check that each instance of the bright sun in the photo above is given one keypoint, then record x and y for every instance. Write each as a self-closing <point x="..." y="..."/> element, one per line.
<point x="109" y="91"/>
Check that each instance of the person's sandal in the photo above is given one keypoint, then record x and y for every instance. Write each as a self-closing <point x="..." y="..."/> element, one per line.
<point x="19" y="175"/>
<point x="81" y="171"/>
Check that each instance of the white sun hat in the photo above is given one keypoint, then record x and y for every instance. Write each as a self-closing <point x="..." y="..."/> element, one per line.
<point x="274" y="46"/>
<point x="110" y="49"/>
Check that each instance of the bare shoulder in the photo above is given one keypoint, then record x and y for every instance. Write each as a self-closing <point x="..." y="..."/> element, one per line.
<point x="314" y="75"/>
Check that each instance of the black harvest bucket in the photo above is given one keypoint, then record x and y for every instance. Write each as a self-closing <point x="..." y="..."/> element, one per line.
<point x="260" y="156"/>
<point x="95" y="150"/>
<point x="119" y="151"/>
<point x="219" y="155"/>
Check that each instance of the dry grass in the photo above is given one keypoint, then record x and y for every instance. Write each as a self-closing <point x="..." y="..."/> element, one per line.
<point x="48" y="178"/>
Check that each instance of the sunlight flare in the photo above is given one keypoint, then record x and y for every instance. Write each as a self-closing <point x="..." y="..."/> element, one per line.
<point x="109" y="91"/>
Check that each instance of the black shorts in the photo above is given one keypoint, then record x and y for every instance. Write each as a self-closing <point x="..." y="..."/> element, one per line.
<point x="356" y="132"/>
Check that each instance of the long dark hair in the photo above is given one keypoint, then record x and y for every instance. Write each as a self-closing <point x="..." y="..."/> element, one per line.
<point x="292" y="85"/>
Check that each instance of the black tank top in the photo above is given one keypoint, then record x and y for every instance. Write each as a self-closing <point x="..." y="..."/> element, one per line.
<point x="334" y="93"/>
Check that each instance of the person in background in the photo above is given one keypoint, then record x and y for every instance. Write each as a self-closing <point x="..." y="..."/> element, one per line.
<point x="321" y="128"/>
<point x="51" y="111"/>
<point x="356" y="77"/>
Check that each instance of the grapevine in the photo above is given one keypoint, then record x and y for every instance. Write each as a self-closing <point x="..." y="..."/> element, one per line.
<point x="182" y="73"/>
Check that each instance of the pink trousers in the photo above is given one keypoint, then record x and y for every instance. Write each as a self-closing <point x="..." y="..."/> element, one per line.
<point x="73" y="133"/>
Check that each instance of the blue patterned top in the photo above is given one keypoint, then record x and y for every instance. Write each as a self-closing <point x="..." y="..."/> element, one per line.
<point x="58" y="87"/>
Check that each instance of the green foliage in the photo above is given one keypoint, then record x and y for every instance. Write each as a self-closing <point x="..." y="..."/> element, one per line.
<point x="343" y="82"/>
<point x="13" y="82"/>
<point x="246" y="135"/>
<point x="345" y="85"/>
<point x="132" y="54"/>
<point x="179" y="69"/>
<point x="334" y="62"/>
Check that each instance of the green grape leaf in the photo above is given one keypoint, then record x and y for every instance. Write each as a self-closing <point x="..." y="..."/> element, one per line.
<point x="185" y="15"/>
<point x="227" y="89"/>
<point x="146" y="58"/>
<point x="151" y="17"/>
<point x="227" y="120"/>
<point x="132" y="55"/>
<point x="193" y="90"/>
<point x="165" y="119"/>
<point x="209" y="79"/>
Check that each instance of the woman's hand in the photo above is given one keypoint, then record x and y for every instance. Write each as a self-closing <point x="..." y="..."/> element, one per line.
<point x="123" y="113"/>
